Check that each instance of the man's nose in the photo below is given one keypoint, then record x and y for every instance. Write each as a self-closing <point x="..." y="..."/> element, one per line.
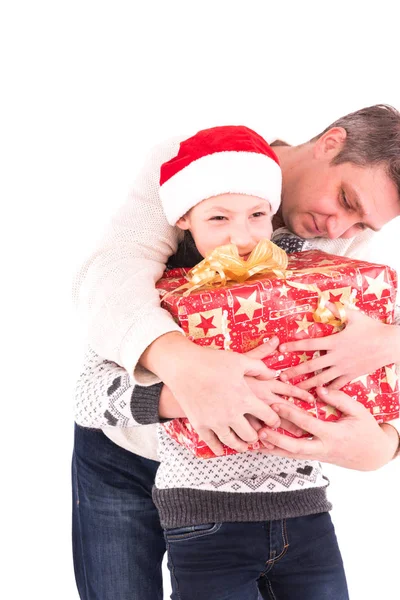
<point x="338" y="225"/>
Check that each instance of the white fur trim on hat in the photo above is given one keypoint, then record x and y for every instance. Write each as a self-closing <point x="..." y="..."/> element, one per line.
<point x="248" y="173"/>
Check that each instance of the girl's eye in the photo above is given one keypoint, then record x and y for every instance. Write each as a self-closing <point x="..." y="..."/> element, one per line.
<point x="258" y="214"/>
<point x="217" y="218"/>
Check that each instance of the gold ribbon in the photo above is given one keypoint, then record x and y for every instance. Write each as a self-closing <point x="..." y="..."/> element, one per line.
<point x="324" y="314"/>
<point x="224" y="265"/>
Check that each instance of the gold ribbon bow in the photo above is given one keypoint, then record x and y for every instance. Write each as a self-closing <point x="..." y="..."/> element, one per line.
<point x="224" y="264"/>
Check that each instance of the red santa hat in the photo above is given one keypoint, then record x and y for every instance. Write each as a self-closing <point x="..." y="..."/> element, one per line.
<point x="218" y="161"/>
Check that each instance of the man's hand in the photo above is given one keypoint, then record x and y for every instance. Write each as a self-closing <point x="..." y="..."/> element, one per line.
<point x="356" y="441"/>
<point x="210" y="387"/>
<point x="346" y="357"/>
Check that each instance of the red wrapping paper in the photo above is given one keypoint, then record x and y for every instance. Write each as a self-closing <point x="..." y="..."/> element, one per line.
<point x="240" y="316"/>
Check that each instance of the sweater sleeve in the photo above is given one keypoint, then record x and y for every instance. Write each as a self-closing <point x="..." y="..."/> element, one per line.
<point x="114" y="291"/>
<point x="106" y="397"/>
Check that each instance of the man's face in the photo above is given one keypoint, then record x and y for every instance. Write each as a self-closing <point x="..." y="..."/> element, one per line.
<point x="338" y="201"/>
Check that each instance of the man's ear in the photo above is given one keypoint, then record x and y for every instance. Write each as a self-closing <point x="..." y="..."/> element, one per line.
<point x="330" y="143"/>
<point x="183" y="222"/>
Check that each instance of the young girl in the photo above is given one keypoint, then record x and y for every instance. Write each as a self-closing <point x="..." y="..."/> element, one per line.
<point x="227" y="521"/>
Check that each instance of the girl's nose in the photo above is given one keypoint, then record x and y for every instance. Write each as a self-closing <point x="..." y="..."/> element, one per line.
<point x="241" y="237"/>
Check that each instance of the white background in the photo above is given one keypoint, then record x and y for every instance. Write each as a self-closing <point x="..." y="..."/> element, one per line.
<point x="86" y="89"/>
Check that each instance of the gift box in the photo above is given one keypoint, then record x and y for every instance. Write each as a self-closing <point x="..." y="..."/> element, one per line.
<point x="288" y="302"/>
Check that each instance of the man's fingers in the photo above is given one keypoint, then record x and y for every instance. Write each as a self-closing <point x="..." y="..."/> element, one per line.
<point x="309" y="366"/>
<point x="321" y="379"/>
<point x="339" y="382"/>
<point x="264" y="349"/>
<point x="323" y="343"/>
<point x="347" y="405"/>
<point x="292" y="428"/>
<point x="271" y="449"/>
<point x="299" y="417"/>
<point x="287" y="389"/>
<point x="303" y="446"/>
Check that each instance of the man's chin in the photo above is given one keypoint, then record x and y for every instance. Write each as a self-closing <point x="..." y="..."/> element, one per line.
<point x="303" y="232"/>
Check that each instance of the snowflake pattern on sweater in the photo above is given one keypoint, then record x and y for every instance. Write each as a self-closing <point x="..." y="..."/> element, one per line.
<point x="245" y="472"/>
<point x="103" y="394"/>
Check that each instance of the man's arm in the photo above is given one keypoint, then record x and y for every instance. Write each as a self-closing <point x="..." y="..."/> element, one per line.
<point x="349" y="359"/>
<point x="115" y="289"/>
<point x="116" y="297"/>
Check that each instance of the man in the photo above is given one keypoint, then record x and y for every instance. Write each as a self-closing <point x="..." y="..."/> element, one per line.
<point x="341" y="185"/>
<point x="337" y="189"/>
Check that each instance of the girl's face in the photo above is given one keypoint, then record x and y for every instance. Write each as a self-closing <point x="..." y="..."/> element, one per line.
<point x="229" y="219"/>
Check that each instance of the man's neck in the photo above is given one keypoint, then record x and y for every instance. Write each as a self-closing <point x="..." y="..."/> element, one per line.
<point x="277" y="220"/>
<point x="292" y="160"/>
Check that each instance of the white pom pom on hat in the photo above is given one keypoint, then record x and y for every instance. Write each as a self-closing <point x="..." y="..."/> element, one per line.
<point x="215" y="161"/>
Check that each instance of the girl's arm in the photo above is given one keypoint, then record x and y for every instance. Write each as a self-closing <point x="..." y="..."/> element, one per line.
<point x="105" y="396"/>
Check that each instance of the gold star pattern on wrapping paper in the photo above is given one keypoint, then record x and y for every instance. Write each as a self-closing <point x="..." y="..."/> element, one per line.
<point x="248" y="306"/>
<point x="198" y="323"/>
<point x="303" y="357"/>
<point x="206" y="324"/>
<point x="329" y="410"/>
<point x="391" y="377"/>
<point x="371" y="396"/>
<point x="363" y="379"/>
<point x="304" y="324"/>
<point x="283" y="290"/>
<point x="261" y="326"/>
<point x="389" y="306"/>
<point x="377" y="285"/>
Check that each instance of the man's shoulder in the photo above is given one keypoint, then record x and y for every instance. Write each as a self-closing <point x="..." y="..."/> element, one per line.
<point x="166" y="149"/>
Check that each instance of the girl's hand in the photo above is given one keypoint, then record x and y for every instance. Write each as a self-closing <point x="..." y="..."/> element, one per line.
<point x="270" y="391"/>
<point x="362" y="347"/>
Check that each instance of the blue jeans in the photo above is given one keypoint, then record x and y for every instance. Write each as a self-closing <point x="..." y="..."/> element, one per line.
<point x="292" y="559"/>
<point x="118" y="542"/>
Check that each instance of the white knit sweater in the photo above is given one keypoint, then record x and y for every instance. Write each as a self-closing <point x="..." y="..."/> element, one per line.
<point x="115" y="294"/>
